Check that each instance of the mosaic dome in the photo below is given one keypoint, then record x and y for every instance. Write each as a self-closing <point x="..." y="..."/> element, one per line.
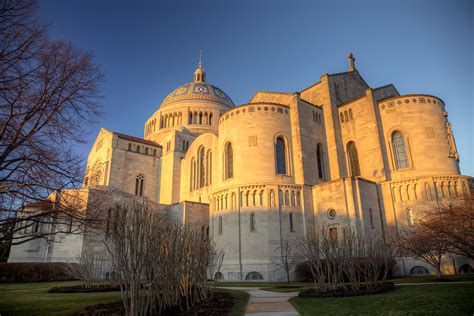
<point x="198" y="90"/>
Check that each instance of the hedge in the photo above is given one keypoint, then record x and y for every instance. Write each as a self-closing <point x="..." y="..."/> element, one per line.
<point x="33" y="272"/>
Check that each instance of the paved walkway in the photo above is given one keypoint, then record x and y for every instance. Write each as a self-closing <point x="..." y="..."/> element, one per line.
<point x="267" y="303"/>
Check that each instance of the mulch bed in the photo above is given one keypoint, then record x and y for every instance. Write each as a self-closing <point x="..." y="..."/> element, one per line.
<point x="342" y="292"/>
<point x="220" y="304"/>
<point x="80" y="289"/>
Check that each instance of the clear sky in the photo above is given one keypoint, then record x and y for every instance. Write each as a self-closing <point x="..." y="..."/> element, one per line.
<point x="148" y="48"/>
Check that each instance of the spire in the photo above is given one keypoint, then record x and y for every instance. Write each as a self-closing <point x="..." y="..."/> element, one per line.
<point x="351" y="59"/>
<point x="200" y="74"/>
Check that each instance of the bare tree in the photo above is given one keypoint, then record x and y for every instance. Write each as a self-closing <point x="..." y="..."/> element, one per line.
<point x="454" y="221"/>
<point x="348" y="261"/>
<point x="159" y="263"/>
<point x="423" y="244"/>
<point x="48" y="99"/>
<point x="287" y="257"/>
<point x="87" y="267"/>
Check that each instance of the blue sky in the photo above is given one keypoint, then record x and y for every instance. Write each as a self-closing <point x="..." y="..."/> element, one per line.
<point x="148" y="48"/>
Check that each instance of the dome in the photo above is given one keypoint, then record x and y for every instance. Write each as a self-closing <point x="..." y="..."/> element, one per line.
<point x="199" y="89"/>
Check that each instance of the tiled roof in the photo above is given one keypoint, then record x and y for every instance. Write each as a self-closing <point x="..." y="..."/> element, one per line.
<point x="137" y="140"/>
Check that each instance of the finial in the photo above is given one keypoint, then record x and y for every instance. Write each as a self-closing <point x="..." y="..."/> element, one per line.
<point x="200" y="74"/>
<point x="351" y="62"/>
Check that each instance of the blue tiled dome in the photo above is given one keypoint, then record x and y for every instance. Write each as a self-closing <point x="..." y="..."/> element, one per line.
<point x="198" y="91"/>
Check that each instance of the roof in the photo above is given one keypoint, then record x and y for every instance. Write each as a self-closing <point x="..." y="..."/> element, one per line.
<point x="198" y="91"/>
<point x="137" y="140"/>
<point x="45" y="204"/>
<point x="385" y="92"/>
<point x="347" y="86"/>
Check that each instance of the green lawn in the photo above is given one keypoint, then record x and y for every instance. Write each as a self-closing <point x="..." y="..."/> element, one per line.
<point x="432" y="278"/>
<point x="445" y="299"/>
<point x="34" y="299"/>
<point x="242" y="299"/>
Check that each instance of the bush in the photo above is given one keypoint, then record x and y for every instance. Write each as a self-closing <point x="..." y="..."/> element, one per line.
<point x="81" y="289"/>
<point x="33" y="272"/>
<point x="303" y="272"/>
<point x="344" y="292"/>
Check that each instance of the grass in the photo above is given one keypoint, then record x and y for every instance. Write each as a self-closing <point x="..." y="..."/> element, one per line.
<point x="433" y="278"/>
<point x="242" y="299"/>
<point x="34" y="299"/>
<point x="283" y="287"/>
<point x="445" y="299"/>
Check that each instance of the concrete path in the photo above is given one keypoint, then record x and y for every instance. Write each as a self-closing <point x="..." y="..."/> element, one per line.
<point x="266" y="303"/>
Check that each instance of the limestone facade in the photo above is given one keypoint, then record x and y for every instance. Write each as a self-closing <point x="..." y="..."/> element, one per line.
<point x="338" y="153"/>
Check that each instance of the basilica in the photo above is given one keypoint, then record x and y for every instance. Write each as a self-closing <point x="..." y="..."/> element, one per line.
<point x="337" y="153"/>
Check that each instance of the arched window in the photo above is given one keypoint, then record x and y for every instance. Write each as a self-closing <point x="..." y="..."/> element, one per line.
<point x="261" y="198"/>
<point x="298" y="198"/>
<point x="410" y="218"/>
<point x="353" y="159"/>
<point x="342" y="117"/>
<point x="419" y="270"/>
<point x="233" y="201"/>
<point x="350" y="114"/>
<point x="202" y="169"/>
<point x="191" y="174"/>
<point x="190" y="118"/>
<point x="280" y="151"/>
<point x="399" y="150"/>
<point x="209" y="168"/>
<point x="287" y="198"/>
<point x="456" y="190"/>
<point x="254" y="275"/>
<point x="229" y="161"/>
<point x="200" y="118"/>
<point x="139" y="185"/>
<point x="293" y="198"/>
<point x="272" y="198"/>
<point x="292" y="224"/>
<point x="210" y="119"/>
<point x="206" y="119"/>
<point x="371" y="217"/>
<point x="320" y="160"/>
<point x="195" y="118"/>
<point x="252" y="222"/>
<point x="346" y="116"/>
<point x="247" y="198"/>
<point x="254" y="202"/>
<point x="220" y="225"/>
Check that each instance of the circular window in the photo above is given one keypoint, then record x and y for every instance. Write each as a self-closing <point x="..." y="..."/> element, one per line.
<point x="332" y="213"/>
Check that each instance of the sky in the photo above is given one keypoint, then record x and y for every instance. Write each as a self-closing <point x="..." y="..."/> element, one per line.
<point x="148" y="48"/>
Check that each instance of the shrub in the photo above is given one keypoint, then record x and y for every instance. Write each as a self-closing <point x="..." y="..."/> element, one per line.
<point x="341" y="291"/>
<point x="33" y="272"/>
<point x="81" y="289"/>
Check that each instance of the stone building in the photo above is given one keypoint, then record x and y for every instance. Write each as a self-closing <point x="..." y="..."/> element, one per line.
<point x="337" y="153"/>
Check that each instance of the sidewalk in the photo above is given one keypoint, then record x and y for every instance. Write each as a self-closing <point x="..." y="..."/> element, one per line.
<point x="267" y="303"/>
